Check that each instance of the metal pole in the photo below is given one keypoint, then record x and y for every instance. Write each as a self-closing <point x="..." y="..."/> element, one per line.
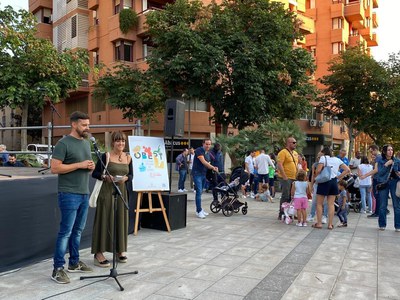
<point x="189" y="127"/>
<point x="332" y="133"/>
<point x="50" y="139"/>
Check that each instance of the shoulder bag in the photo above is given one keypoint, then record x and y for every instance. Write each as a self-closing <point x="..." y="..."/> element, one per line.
<point x="97" y="187"/>
<point x="325" y="174"/>
<point x="383" y="185"/>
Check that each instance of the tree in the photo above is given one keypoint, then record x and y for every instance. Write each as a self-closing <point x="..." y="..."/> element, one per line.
<point x="135" y="92"/>
<point x="31" y="69"/>
<point x="356" y="91"/>
<point x="238" y="55"/>
<point x="270" y="136"/>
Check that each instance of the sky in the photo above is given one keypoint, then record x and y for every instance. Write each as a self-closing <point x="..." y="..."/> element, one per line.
<point x="388" y="21"/>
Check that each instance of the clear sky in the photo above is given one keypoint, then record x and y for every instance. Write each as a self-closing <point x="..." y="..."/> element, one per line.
<point x="388" y="21"/>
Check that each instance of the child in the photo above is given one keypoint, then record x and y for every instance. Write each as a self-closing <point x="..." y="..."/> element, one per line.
<point x="264" y="194"/>
<point x="342" y="203"/>
<point x="299" y="192"/>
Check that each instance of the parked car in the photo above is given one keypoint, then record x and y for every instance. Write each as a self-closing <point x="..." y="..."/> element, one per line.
<point x="41" y="157"/>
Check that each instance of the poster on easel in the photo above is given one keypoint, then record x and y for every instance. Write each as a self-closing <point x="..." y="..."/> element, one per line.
<point x="149" y="161"/>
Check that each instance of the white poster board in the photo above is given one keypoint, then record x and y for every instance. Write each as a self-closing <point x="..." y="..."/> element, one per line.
<point x="149" y="161"/>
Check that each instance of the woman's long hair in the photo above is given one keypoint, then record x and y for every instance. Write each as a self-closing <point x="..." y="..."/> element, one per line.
<point x="327" y="151"/>
<point x="384" y="151"/>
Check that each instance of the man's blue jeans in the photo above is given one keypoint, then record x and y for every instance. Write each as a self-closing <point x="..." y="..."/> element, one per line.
<point x="199" y="182"/>
<point x="74" y="210"/>
<point x="383" y="198"/>
<point x="182" y="179"/>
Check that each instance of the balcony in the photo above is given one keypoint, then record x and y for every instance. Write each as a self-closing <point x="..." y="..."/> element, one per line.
<point x="356" y="40"/>
<point x="93" y="38"/>
<point x="115" y="32"/>
<point x="366" y="33"/>
<point x="375" y="3"/>
<point x="45" y="31"/>
<point x="35" y="4"/>
<point x="375" y="21"/>
<point x="142" y="26"/>
<point x="311" y="39"/>
<point x="374" y="41"/>
<point x="307" y="24"/>
<point x="93" y="4"/>
<point x="339" y="35"/>
<point x="337" y="10"/>
<point x="354" y="12"/>
<point x="311" y="13"/>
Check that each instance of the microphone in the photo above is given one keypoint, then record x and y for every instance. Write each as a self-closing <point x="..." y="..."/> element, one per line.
<point x="94" y="143"/>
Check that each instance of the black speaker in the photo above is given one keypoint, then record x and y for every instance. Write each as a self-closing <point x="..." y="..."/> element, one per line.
<point x="174" y="118"/>
<point x="176" y="209"/>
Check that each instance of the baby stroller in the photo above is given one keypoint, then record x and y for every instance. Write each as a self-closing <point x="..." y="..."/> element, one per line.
<point x="228" y="194"/>
<point x="288" y="212"/>
<point x="354" y="200"/>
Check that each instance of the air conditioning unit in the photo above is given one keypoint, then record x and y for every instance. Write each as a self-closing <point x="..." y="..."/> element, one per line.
<point x="313" y="123"/>
<point x="321" y="124"/>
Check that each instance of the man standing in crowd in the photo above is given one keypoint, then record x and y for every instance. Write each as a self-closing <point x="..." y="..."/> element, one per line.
<point x="355" y="162"/>
<point x="249" y="167"/>
<point x="287" y="166"/>
<point x="182" y="167"/>
<point x="199" y="170"/>
<point x="261" y="164"/>
<point x="13" y="162"/>
<point x="73" y="163"/>
<point x="342" y="156"/>
<point x="190" y="159"/>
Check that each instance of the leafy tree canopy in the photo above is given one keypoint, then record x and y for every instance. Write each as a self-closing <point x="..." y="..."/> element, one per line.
<point x="31" y="68"/>
<point x="238" y="55"/>
<point x="135" y="92"/>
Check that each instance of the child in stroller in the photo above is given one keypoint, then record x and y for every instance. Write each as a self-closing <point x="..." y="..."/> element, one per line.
<point x="229" y="198"/>
<point x="354" y="199"/>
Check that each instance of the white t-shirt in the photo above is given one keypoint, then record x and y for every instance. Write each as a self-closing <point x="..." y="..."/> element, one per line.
<point x="333" y="162"/>
<point x="190" y="161"/>
<point x="249" y="161"/>
<point x="263" y="161"/>
<point x="300" y="190"/>
<point x="364" y="169"/>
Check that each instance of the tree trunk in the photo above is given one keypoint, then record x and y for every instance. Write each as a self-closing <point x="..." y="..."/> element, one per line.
<point x="351" y="143"/>
<point x="24" y="123"/>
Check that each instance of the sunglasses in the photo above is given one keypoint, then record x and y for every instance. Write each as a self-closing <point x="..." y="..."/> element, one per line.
<point x="294" y="142"/>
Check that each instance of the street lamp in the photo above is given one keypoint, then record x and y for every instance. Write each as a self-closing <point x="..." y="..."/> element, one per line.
<point x="333" y="119"/>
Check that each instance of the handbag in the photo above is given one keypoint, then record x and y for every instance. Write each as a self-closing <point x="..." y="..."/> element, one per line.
<point x="383" y="185"/>
<point x="325" y="174"/>
<point x="97" y="186"/>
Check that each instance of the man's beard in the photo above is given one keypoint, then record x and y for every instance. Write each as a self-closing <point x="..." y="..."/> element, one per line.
<point x="84" y="134"/>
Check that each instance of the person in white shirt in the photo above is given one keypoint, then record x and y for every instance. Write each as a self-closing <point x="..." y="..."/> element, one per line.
<point x="365" y="184"/>
<point x="262" y="163"/>
<point x="355" y="162"/>
<point x="249" y="168"/>
<point x="330" y="188"/>
<point x="190" y="158"/>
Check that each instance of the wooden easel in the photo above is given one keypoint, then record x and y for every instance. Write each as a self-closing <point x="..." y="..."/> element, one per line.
<point x="150" y="209"/>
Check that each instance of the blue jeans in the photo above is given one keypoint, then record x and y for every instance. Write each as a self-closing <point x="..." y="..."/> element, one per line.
<point x="383" y="199"/>
<point x="376" y="196"/>
<point x="365" y="192"/>
<point x="74" y="210"/>
<point x="182" y="179"/>
<point x="256" y="180"/>
<point x="342" y="214"/>
<point x="200" y="182"/>
<point x="314" y="204"/>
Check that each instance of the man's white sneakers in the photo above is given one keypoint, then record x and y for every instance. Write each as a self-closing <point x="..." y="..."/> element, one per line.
<point x="201" y="215"/>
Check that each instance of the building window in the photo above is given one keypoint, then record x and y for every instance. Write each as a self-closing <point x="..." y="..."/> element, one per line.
<point x="117" y="6"/>
<point x="127" y="4"/>
<point x="95" y="18"/>
<point x="43" y="15"/>
<point x="73" y="27"/>
<point x="337" y="23"/>
<point x="367" y="22"/>
<point x="196" y="105"/>
<point x="310" y="115"/>
<point x="147" y="49"/>
<point x="123" y="50"/>
<point x="98" y="105"/>
<point x="337" y="48"/>
<point x="96" y="58"/>
<point x="310" y="4"/>
<point x="313" y="51"/>
<point x="80" y="104"/>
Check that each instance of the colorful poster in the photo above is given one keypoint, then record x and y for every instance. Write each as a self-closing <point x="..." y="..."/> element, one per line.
<point x="149" y="160"/>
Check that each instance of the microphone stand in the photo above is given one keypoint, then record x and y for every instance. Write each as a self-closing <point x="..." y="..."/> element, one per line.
<point x="116" y="194"/>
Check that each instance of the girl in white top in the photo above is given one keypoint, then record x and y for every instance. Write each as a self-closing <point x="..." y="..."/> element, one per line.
<point x="299" y="192"/>
<point x="365" y="184"/>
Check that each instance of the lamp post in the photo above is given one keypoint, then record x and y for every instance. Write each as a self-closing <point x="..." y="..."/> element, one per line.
<point x="333" y="119"/>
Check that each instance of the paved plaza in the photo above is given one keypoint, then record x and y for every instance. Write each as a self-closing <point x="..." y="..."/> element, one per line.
<point x="251" y="256"/>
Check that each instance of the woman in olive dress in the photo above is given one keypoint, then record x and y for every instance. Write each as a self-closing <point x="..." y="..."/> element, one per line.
<point x="120" y="169"/>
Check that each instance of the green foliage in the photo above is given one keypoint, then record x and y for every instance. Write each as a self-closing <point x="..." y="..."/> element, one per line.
<point x="133" y="91"/>
<point x="128" y="19"/>
<point x="31" y="68"/>
<point x="29" y="160"/>
<point x="238" y="55"/>
<point x="270" y="136"/>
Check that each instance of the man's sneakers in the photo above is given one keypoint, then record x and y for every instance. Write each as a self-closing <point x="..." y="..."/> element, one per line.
<point x="324" y="220"/>
<point x="60" y="276"/>
<point x="202" y="214"/>
<point x="181" y="191"/>
<point x="310" y="218"/>
<point x="80" y="267"/>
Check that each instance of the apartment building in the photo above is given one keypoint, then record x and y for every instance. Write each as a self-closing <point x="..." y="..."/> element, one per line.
<point x="329" y="26"/>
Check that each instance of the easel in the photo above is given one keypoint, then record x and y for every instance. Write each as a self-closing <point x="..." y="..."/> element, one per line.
<point x="150" y="209"/>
